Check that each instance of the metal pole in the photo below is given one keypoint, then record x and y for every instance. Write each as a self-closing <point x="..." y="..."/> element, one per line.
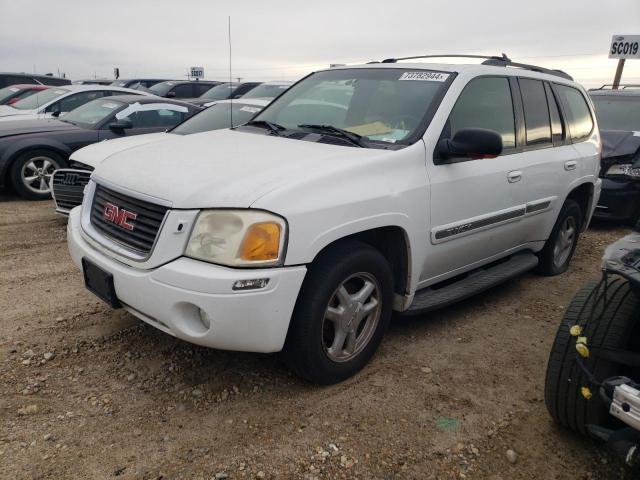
<point x="618" y="76"/>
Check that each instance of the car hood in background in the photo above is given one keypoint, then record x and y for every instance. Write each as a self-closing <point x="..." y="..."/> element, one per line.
<point x="619" y="143"/>
<point x="225" y="168"/>
<point x="27" y="126"/>
<point x="7" y="111"/>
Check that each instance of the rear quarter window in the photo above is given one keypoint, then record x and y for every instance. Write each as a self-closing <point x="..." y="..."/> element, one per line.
<point x="577" y="111"/>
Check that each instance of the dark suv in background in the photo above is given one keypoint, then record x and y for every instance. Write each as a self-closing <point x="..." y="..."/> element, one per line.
<point x="182" y="88"/>
<point x="224" y="91"/>
<point x="618" y="113"/>
<point x="7" y="79"/>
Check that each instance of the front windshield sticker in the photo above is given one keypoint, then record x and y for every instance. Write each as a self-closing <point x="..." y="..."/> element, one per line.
<point x="110" y="106"/>
<point x="425" y="76"/>
<point x="59" y="92"/>
<point x="369" y="129"/>
<point x="14" y="89"/>
<point x="250" y="109"/>
<point x="636" y="134"/>
<point x="137" y="107"/>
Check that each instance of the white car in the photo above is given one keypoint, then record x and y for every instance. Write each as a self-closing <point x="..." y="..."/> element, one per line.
<point x="304" y="229"/>
<point x="56" y="101"/>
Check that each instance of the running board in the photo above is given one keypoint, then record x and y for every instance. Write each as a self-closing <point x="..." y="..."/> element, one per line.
<point x="475" y="282"/>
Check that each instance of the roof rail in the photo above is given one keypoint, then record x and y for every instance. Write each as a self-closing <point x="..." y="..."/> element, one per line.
<point x="493" y="60"/>
<point x="622" y="86"/>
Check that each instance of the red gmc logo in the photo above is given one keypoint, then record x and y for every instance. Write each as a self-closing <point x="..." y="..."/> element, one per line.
<point x="119" y="216"/>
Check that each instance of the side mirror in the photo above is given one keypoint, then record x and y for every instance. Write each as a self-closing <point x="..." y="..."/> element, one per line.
<point x="122" y="124"/>
<point x="472" y="143"/>
<point x="171" y="95"/>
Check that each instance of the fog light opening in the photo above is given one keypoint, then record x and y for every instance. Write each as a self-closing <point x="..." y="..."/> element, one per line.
<point x="250" y="284"/>
<point x="204" y="318"/>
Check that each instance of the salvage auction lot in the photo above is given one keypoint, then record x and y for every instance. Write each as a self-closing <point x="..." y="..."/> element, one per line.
<point x="445" y="397"/>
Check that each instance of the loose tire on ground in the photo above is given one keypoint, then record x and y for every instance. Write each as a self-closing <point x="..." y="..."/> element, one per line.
<point x="307" y="351"/>
<point x="28" y="164"/>
<point x="570" y="214"/>
<point x="616" y="329"/>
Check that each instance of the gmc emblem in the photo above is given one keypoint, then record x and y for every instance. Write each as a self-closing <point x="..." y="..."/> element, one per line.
<point x="70" y="178"/>
<point x="119" y="216"/>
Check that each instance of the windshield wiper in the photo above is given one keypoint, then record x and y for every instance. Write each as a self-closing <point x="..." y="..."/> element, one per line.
<point x="273" y="128"/>
<point x="353" y="138"/>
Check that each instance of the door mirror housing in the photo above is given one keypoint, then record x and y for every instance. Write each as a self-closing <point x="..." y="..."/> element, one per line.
<point x="171" y="94"/>
<point x="470" y="143"/>
<point x="122" y="124"/>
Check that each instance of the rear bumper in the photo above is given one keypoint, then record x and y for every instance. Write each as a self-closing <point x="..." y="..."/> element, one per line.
<point x="619" y="200"/>
<point x="174" y="296"/>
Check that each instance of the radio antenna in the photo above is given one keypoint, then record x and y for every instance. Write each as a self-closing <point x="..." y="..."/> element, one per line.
<point x="230" y="76"/>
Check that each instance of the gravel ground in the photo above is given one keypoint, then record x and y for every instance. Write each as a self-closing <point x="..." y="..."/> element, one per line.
<point x="89" y="392"/>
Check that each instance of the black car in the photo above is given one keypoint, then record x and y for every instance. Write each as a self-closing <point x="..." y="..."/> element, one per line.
<point x="618" y="113"/>
<point x="137" y="83"/>
<point x="31" y="150"/>
<point x="7" y="79"/>
<point x="182" y="88"/>
<point x="224" y="91"/>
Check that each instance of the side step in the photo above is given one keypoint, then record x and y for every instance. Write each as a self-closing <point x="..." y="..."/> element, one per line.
<point x="471" y="284"/>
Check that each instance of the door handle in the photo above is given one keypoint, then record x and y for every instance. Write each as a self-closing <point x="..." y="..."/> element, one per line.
<point x="570" y="165"/>
<point x="514" y="176"/>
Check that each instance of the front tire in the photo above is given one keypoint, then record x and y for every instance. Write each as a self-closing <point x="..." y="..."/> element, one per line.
<point x="561" y="244"/>
<point x="613" y="326"/>
<point x="32" y="171"/>
<point x="342" y="312"/>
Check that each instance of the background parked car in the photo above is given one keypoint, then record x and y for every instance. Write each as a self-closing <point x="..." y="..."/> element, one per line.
<point x="68" y="184"/>
<point x="7" y="79"/>
<point x="93" y="81"/>
<point x="224" y="91"/>
<point x="618" y="113"/>
<point x="268" y="90"/>
<point x="14" y="93"/>
<point x="31" y="150"/>
<point x="182" y="88"/>
<point x="137" y="83"/>
<point x="54" y="102"/>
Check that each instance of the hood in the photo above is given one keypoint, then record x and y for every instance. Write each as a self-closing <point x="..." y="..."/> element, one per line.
<point x="93" y="155"/>
<point x="7" y="111"/>
<point x="26" y="126"/>
<point x="224" y="168"/>
<point x="619" y="143"/>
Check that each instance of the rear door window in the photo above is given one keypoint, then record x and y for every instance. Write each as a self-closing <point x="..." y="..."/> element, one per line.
<point x="485" y="103"/>
<point x="536" y="112"/>
<point x="577" y="110"/>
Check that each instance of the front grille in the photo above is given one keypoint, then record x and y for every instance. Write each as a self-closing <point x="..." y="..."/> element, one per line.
<point x="68" y="188"/>
<point x="146" y="224"/>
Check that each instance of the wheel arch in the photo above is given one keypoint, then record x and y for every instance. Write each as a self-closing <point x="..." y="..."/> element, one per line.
<point x="583" y="195"/>
<point x="21" y="147"/>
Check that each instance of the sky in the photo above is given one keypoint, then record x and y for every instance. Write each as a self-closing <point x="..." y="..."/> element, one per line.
<point x="284" y="39"/>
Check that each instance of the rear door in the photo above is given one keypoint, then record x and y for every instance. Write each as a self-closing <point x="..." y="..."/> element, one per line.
<point x="476" y="205"/>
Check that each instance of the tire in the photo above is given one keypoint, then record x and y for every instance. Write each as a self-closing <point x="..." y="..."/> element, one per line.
<point x="27" y="165"/>
<point x="550" y="264"/>
<point x="615" y="329"/>
<point x="309" y="348"/>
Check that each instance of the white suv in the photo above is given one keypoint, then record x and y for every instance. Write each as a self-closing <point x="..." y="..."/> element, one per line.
<point x="359" y="191"/>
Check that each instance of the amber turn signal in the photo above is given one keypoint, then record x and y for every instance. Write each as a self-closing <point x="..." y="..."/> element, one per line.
<point x="261" y="242"/>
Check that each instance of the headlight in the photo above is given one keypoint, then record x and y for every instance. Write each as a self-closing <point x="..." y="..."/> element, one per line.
<point x="238" y="238"/>
<point x="625" y="169"/>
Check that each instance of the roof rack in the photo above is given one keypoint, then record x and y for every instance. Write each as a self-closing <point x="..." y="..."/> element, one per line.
<point x="622" y="86"/>
<point x="493" y="60"/>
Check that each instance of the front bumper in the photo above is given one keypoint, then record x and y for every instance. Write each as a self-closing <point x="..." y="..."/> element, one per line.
<point x="619" y="200"/>
<point x="172" y="296"/>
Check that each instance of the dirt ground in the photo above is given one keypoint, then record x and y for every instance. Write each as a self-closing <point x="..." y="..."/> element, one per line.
<point x="89" y="392"/>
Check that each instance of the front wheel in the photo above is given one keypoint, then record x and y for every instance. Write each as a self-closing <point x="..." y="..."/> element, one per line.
<point x="32" y="171"/>
<point x="341" y="314"/>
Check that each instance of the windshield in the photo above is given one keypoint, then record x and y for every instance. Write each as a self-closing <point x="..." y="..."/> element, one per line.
<point x="8" y="92"/>
<point x="41" y="98"/>
<point x="161" y="88"/>
<point x="92" y="113"/>
<point x="220" y="92"/>
<point x="617" y="113"/>
<point x="266" y="91"/>
<point x="218" y="116"/>
<point x="385" y="105"/>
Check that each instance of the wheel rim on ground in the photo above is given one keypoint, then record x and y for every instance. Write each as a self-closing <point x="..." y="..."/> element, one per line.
<point x="37" y="172"/>
<point x="565" y="241"/>
<point x="351" y="317"/>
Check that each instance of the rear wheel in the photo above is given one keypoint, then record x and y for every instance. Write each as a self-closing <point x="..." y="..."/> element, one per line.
<point x="612" y="325"/>
<point x="341" y="314"/>
<point x="561" y="244"/>
<point x="32" y="171"/>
